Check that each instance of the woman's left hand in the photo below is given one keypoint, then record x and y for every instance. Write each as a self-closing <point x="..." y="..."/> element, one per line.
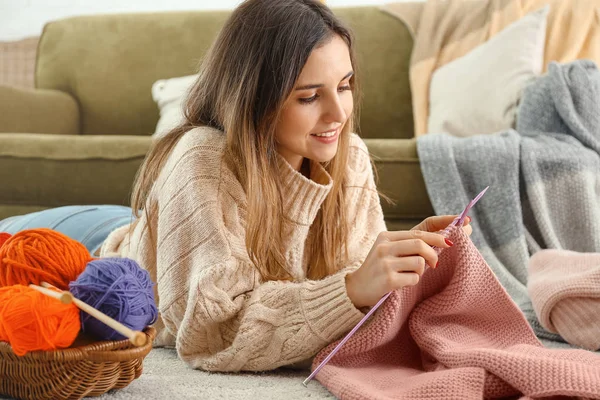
<point x="439" y="222"/>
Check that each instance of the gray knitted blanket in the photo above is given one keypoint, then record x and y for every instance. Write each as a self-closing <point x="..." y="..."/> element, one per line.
<point x="544" y="178"/>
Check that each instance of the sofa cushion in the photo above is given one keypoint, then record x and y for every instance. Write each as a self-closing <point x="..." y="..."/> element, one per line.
<point x="170" y="95"/>
<point x="109" y="63"/>
<point x="42" y="170"/>
<point x="17" y="61"/>
<point x="400" y="179"/>
<point x="479" y="92"/>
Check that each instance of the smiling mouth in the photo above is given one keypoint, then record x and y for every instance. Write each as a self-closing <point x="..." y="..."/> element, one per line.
<point x="326" y="134"/>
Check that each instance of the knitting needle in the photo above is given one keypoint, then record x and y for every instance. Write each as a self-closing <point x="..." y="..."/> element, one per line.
<point x="340" y="344"/>
<point x="137" y="338"/>
<point x="64" y="297"/>
<point x="459" y="219"/>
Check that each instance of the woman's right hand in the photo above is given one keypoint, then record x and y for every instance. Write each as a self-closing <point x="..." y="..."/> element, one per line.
<point x="397" y="259"/>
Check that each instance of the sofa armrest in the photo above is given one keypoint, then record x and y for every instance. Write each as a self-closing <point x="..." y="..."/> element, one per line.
<point x="42" y="170"/>
<point x="401" y="179"/>
<point x="38" y="111"/>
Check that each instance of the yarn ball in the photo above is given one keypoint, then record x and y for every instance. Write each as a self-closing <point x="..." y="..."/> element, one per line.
<point x="119" y="288"/>
<point x="35" y="255"/>
<point x="30" y="320"/>
<point x="4" y="237"/>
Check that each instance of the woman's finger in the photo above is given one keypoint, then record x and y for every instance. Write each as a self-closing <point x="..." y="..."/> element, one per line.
<point x="416" y="247"/>
<point x="430" y="238"/>
<point x="435" y="223"/>
<point x="406" y="279"/>
<point x="468" y="229"/>
<point x="414" y="264"/>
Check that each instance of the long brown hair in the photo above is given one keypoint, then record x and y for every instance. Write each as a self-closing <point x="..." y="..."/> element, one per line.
<point x="244" y="80"/>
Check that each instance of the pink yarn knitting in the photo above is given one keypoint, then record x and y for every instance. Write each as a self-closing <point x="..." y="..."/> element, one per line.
<point x="564" y="287"/>
<point x="456" y="335"/>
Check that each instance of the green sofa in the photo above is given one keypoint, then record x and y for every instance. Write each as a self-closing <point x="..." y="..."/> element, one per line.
<point x="81" y="134"/>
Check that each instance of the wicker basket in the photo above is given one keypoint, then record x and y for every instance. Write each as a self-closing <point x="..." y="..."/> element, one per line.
<point x="87" y="368"/>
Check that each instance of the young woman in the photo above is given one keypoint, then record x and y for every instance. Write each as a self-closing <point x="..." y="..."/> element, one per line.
<point x="259" y="217"/>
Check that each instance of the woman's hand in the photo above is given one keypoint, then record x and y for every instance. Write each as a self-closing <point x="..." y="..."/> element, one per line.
<point x="397" y="259"/>
<point x="439" y="222"/>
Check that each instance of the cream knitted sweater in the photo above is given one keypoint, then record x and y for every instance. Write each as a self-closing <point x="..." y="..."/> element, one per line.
<point x="214" y="307"/>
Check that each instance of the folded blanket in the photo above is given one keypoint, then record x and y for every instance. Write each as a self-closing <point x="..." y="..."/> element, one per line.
<point x="448" y="29"/>
<point x="543" y="179"/>
<point x="456" y="335"/>
<point x="565" y="291"/>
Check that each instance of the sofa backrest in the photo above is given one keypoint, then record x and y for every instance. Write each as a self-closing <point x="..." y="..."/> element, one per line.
<point x="108" y="63"/>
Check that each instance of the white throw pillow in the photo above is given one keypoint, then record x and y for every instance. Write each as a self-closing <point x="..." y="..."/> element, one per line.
<point x="169" y="95"/>
<point x="479" y="92"/>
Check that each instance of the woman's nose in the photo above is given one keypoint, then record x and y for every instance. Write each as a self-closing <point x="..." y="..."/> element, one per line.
<point x="335" y="111"/>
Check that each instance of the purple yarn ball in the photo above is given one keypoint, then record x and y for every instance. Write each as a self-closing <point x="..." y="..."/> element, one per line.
<point x="119" y="288"/>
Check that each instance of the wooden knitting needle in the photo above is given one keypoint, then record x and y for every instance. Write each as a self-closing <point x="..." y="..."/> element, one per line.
<point x="64" y="297"/>
<point x="137" y="338"/>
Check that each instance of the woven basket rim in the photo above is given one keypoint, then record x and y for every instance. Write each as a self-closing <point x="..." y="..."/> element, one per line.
<point x="106" y="350"/>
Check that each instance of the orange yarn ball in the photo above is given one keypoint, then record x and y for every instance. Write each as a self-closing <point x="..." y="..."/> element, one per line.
<point x="36" y="255"/>
<point x="4" y="237"/>
<point x="30" y="320"/>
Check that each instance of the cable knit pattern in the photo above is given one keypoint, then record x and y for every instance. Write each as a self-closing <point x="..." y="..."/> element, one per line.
<point x="214" y="307"/>
<point x="565" y="291"/>
<point x="455" y="335"/>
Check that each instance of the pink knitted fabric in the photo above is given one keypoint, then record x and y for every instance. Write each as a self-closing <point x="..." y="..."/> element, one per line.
<point x="456" y="335"/>
<point x="564" y="287"/>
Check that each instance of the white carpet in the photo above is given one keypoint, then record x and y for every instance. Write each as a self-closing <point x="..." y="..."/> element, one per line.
<point x="167" y="377"/>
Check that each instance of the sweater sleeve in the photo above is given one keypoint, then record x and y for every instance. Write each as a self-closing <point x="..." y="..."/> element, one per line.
<point x="273" y="324"/>
<point x="212" y="299"/>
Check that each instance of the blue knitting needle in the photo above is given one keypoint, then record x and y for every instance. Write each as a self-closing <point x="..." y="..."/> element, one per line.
<point x="458" y="220"/>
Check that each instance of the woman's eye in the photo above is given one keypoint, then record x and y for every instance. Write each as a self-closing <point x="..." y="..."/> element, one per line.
<point x="308" y="100"/>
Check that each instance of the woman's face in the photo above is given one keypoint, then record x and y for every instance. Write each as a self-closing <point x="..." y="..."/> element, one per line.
<point x="319" y="106"/>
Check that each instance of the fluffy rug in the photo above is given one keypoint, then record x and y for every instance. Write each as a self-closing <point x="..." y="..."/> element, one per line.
<point x="167" y="377"/>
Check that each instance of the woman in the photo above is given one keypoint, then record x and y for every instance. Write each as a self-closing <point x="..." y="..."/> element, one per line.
<point x="259" y="216"/>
